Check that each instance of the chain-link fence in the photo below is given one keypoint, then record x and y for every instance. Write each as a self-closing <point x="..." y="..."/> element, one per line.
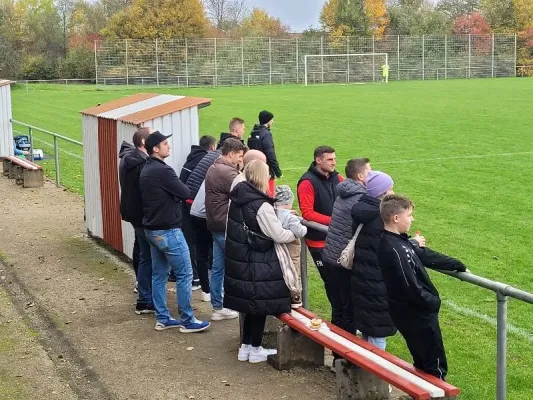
<point x="260" y="61"/>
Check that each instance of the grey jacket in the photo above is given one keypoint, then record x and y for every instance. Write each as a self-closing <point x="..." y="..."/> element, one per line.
<point x="291" y="222"/>
<point x="341" y="228"/>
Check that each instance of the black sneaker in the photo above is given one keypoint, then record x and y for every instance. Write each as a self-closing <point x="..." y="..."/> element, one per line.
<point x="143" y="308"/>
<point x="171" y="277"/>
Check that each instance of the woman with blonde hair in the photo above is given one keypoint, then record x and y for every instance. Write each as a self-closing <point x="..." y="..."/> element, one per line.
<point x="254" y="283"/>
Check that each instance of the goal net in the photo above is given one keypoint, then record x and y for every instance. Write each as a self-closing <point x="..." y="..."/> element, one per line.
<point x="346" y="68"/>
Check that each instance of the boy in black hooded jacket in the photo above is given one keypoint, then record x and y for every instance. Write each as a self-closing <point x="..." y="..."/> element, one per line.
<point x="414" y="302"/>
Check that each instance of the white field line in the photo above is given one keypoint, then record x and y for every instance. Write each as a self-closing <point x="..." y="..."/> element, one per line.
<point x="466" y="157"/>
<point x="60" y="149"/>
<point x="490" y="320"/>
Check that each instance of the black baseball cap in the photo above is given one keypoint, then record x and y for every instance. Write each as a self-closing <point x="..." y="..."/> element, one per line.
<point x="153" y="140"/>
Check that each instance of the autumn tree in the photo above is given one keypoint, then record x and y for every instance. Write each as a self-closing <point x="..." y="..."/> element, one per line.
<point x="456" y="8"/>
<point x="354" y="17"/>
<point x="376" y="13"/>
<point x="523" y="14"/>
<point x="164" y="19"/>
<point x="260" y="24"/>
<point x="500" y="14"/>
<point x="474" y="24"/>
<point x="417" y="17"/>
<point x="226" y="15"/>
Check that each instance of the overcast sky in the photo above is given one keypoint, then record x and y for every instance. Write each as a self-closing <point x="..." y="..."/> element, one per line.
<point x="298" y="14"/>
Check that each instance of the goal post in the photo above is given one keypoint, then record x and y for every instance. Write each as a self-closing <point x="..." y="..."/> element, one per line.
<point x="346" y="68"/>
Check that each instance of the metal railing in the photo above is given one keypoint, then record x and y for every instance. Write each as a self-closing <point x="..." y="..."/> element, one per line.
<point x="56" y="136"/>
<point x="503" y="292"/>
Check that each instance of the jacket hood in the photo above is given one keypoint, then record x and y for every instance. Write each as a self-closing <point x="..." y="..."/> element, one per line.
<point x="131" y="156"/>
<point x="195" y="152"/>
<point x="366" y="209"/>
<point x="245" y="193"/>
<point x="259" y="127"/>
<point x="349" y="188"/>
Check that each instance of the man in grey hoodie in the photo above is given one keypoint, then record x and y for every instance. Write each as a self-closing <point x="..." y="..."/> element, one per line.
<point x="340" y="231"/>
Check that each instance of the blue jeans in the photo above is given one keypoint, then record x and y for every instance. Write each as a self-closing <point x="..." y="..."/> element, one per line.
<point x="169" y="250"/>
<point x="144" y="273"/>
<point x="380" y="342"/>
<point x="217" y="272"/>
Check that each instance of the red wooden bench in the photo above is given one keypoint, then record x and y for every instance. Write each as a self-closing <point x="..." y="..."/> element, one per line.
<point x="25" y="172"/>
<point x="374" y="361"/>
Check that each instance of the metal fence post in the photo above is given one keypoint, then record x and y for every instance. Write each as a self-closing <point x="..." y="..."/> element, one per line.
<point x="186" y="62"/>
<point x="270" y="60"/>
<point x="303" y="274"/>
<point x="515" y="51"/>
<point x="469" y="55"/>
<point x="215" y="80"/>
<point x="56" y="152"/>
<point x="445" y="56"/>
<point x="423" y="57"/>
<point x="297" y="63"/>
<point x="157" y="62"/>
<point x="501" y="358"/>
<point x="31" y="143"/>
<point x="127" y="68"/>
<point x="493" y="55"/>
<point x="95" y="63"/>
<point x="322" y="58"/>
<point x="373" y="58"/>
<point x="398" y="57"/>
<point x="242" y="59"/>
<point x="348" y="59"/>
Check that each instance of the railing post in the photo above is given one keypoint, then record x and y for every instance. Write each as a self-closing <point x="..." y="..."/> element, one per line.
<point x="493" y="55"/>
<point x="445" y="56"/>
<point x="242" y="59"/>
<point x="297" y="62"/>
<point x="157" y="62"/>
<point x="31" y="143"/>
<point x="186" y="63"/>
<point x="303" y="274"/>
<point x="127" y="67"/>
<point x="501" y="358"/>
<point x="398" y="57"/>
<point x="56" y="152"/>
<point x="423" y="57"/>
<point x="270" y="60"/>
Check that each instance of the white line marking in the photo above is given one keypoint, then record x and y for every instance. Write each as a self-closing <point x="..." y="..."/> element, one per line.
<point x="60" y="149"/>
<point x="490" y="320"/>
<point x="473" y="156"/>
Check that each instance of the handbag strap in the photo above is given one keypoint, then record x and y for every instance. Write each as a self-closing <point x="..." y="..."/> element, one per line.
<point x="357" y="231"/>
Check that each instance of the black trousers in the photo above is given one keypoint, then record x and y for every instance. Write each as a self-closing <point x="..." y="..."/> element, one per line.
<point x="252" y="329"/>
<point x="427" y="348"/>
<point x="190" y="238"/>
<point x="337" y="282"/>
<point x="203" y="242"/>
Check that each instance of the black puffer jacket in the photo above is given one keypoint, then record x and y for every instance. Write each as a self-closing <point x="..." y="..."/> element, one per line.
<point x="261" y="139"/>
<point x="341" y="228"/>
<point x="194" y="157"/>
<point x="253" y="282"/>
<point x="369" y="293"/>
<point x="225" y="136"/>
<point x="132" y="161"/>
<point x="197" y="176"/>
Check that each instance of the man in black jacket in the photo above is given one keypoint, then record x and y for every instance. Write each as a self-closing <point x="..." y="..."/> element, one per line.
<point x="414" y="302"/>
<point x="236" y="131"/>
<point x="261" y="139"/>
<point x="206" y="144"/>
<point x="162" y="192"/>
<point x="132" y="161"/>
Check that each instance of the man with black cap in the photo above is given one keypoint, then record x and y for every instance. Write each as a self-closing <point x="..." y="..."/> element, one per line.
<point x="162" y="192"/>
<point x="261" y="139"/>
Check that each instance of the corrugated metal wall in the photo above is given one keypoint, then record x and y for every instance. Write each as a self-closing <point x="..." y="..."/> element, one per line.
<point x="6" y="130"/>
<point x="91" y="172"/>
<point x="109" y="186"/>
<point x="125" y="133"/>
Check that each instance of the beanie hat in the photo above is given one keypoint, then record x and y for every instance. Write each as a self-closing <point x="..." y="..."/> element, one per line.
<point x="265" y="117"/>
<point x="284" y="195"/>
<point x="378" y="183"/>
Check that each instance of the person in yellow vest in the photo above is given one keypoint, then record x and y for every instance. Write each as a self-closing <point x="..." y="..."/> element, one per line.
<point x="385" y="72"/>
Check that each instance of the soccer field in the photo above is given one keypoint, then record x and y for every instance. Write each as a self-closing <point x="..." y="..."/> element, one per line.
<point x="462" y="150"/>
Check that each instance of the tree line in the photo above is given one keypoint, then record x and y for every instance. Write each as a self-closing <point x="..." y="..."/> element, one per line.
<point x="47" y="39"/>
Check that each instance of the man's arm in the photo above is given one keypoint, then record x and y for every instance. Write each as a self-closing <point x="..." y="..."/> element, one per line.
<point x="173" y="185"/>
<point x="434" y="260"/>
<point x="306" y="197"/>
<point x="398" y="262"/>
<point x="270" y="153"/>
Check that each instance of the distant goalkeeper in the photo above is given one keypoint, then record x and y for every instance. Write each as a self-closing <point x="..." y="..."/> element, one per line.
<point x="385" y="73"/>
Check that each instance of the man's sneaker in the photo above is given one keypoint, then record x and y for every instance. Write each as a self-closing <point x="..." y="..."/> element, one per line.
<point x="136" y="287"/>
<point x="224" y="313"/>
<point x="205" y="297"/>
<point x="171" y="323"/>
<point x="246" y="349"/>
<point x="296" y="302"/>
<point x="258" y="354"/>
<point x="194" y="326"/>
<point x="144" y="308"/>
<point x="196" y="285"/>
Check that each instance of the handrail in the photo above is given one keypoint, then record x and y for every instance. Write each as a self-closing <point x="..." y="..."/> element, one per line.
<point x="502" y="290"/>
<point x="47" y="132"/>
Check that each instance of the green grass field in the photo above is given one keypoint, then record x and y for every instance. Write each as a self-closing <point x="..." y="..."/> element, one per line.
<point x="462" y="150"/>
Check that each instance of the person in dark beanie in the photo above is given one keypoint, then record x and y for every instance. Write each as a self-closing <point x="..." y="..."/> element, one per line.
<point x="206" y="144"/>
<point x="132" y="161"/>
<point x="414" y="301"/>
<point x="162" y="192"/>
<point x="261" y="139"/>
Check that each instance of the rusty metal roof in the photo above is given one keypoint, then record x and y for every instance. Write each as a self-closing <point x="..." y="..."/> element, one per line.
<point x="143" y="107"/>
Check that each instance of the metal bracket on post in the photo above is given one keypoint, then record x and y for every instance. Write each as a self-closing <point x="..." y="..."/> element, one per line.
<point x="501" y="358"/>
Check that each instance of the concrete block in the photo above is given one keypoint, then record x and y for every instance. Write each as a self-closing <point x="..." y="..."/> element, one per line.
<point x="33" y="178"/>
<point x="354" y="383"/>
<point x="5" y="166"/>
<point x="296" y="350"/>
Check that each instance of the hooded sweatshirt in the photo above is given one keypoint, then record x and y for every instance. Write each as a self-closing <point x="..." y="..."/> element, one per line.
<point x="225" y="136"/>
<point x="194" y="157"/>
<point x="132" y="161"/>
<point x="341" y="228"/>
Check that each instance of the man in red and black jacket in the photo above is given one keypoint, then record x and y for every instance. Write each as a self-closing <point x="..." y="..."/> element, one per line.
<point x="316" y="195"/>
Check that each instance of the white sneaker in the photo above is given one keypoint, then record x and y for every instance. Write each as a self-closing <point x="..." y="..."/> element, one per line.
<point x="136" y="287"/>
<point x="225" y="313"/>
<point x="244" y="352"/>
<point x="259" y="354"/>
<point x="205" y="297"/>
